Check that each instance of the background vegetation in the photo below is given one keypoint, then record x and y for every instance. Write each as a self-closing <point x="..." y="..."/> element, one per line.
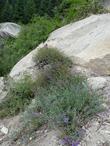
<point x="60" y="100"/>
<point x="41" y="17"/>
<point x="30" y="37"/>
<point x="23" y="11"/>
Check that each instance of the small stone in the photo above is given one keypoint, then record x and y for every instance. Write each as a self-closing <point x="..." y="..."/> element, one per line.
<point x="45" y="131"/>
<point x="4" y="130"/>
<point x="30" y="138"/>
<point x="97" y="83"/>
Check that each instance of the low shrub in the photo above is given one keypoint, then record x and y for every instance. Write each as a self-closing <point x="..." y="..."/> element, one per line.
<point x="47" y="56"/>
<point x="74" y="10"/>
<point x="19" y="96"/>
<point x="64" y="101"/>
<point x="66" y="104"/>
<point x="39" y="28"/>
<point x="52" y="63"/>
<point x="30" y="37"/>
<point x="60" y="100"/>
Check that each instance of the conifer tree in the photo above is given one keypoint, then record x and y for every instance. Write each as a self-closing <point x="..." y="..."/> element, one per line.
<point x="19" y="10"/>
<point x="7" y="13"/>
<point x="29" y="10"/>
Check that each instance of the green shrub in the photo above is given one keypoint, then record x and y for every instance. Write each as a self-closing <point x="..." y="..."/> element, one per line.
<point x="66" y="104"/>
<point x="47" y="56"/>
<point x="53" y="63"/>
<point x="39" y="28"/>
<point x="60" y="99"/>
<point x="30" y="37"/>
<point x="19" y="96"/>
<point x="67" y="96"/>
<point x="73" y="10"/>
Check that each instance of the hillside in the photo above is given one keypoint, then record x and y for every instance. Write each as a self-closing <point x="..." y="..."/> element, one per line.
<point x="54" y="73"/>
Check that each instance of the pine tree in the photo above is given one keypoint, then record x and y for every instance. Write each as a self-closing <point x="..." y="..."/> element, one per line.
<point x="29" y="10"/>
<point x="19" y="10"/>
<point x="43" y="7"/>
<point x="7" y="13"/>
<point x="23" y="10"/>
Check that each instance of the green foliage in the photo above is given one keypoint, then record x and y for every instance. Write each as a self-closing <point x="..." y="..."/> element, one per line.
<point x="18" y="97"/>
<point x="61" y="99"/>
<point x="30" y="37"/>
<point x="50" y="56"/>
<point x="66" y="104"/>
<point x="7" y="13"/>
<point x="29" y="10"/>
<point x="24" y="10"/>
<point x="53" y="63"/>
<point x="39" y="28"/>
<point x="73" y="10"/>
<point x="19" y="14"/>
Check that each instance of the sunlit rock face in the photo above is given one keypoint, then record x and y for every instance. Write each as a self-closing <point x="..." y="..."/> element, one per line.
<point x="3" y="92"/>
<point x="86" y="42"/>
<point x="9" y="29"/>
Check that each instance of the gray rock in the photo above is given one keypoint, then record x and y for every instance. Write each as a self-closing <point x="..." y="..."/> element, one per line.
<point x="98" y="131"/>
<point x="85" y="42"/>
<point x="97" y="83"/>
<point x="26" y="66"/>
<point x="49" y="139"/>
<point x="9" y="29"/>
<point x="106" y="4"/>
<point x="3" y="92"/>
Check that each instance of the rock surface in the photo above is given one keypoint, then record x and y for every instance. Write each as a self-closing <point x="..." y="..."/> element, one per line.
<point x="3" y="92"/>
<point x="97" y="83"/>
<point x="48" y="139"/>
<point x="7" y="127"/>
<point x="106" y="4"/>
<point x="25" y="66"/>
<point x="86" y="42"/>
<point x="9" y="29"/>
<point x="98" y="129"/>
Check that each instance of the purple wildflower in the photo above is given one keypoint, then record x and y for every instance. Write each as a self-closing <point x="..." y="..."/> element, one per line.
<point x="66" y="141"/>
<point x="62" y="142"/>
<point x="75" y="143"/>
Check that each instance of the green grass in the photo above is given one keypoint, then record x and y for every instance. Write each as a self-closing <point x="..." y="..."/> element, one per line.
<point x="61" y="100"/>
<point x="65" y="101"/>
<point x="30" y="37"/>
<point x="51" y="56"/>
<point x="19" y="96"/>
<point x="74" y="10"/>
<point x="39" y="28"/>
<point x="21" y="93"/>
<point x="52" y="63"/>
<point x="67" y="98"/>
